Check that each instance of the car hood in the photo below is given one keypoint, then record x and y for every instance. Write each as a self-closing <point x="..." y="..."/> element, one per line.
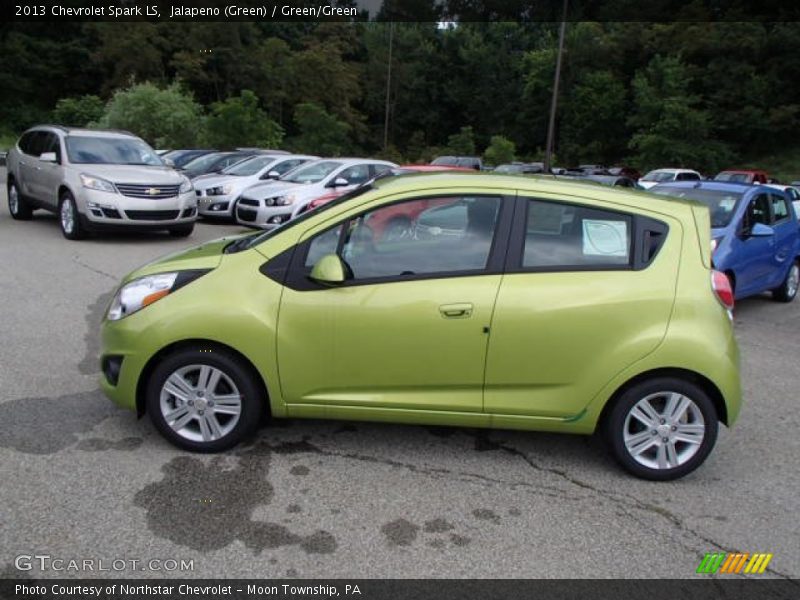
<point x="134" y="174"/>
<point x="265" y="189"/>
<point x="648" y="184"/>
<point x="216" y="179"/>
<point x="204" y="256"/>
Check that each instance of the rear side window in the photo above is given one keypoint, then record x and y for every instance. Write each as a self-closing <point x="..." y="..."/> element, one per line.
<point x="687" y="177"/>
<point x="780" y="208"/>
<point x="572" y="236"/>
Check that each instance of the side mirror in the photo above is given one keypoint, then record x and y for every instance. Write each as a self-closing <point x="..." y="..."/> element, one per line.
<point x="761" y="230"/>
<point x="48" y="157"/>
<point x="169" y="162"/>
<point x="339" y="182"/>
<point x="271" y="175"/>
<point x="328" y="270"/>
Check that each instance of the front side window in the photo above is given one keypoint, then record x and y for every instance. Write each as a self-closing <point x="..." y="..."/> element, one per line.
<point x="355" y="175"/>
<point x="313" y="173"/>
<point x="687" y="177"/>
<point x="560" y="235"/>
<point x="110" y="151"/>
<point x="757" y="212"/>
<point x="249" y="166"/>
<point x="420" y="237"/>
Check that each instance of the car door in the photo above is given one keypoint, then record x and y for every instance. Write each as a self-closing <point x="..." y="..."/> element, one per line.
<point x="587" y="292"/>
<point x="785" y="237"/>
<point x="753" y="261"/>
<point x="29" y="163"/>
<point x="48" y="174"/>
<point x="408" y="329"/>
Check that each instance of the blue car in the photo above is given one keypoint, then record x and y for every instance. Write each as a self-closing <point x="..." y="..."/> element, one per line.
<point x="755" y="234"/>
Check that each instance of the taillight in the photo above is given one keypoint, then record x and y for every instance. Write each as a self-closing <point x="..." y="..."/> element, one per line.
<point x="722" y="289"/>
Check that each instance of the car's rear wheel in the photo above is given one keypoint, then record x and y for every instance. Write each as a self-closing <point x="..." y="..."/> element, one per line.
<point x="69" y="219"/>
<point x="204" y="399"/>
<point x="182" y="231"/>
<point x="788" y="289"/>
<point x="662" y="428"/>
<point x="17" y="205"/>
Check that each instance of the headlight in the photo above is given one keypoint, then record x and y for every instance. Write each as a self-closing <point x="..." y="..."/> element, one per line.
<point x="135" y="295"/>
<point x="220" y="190"/>
<point x="95" y="183"/>
<point x="281" y="200"/>
<point x="186" y="186"/>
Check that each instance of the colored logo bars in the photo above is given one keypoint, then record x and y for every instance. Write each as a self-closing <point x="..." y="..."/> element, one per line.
<point x="738" y="562"/>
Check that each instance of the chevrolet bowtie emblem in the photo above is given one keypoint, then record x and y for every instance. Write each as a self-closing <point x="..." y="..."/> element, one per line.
<point x="153" y="191"/>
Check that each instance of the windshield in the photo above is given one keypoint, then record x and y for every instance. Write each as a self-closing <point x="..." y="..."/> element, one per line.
<point x="659" y="176"/>
<point x="734" y="177"/>
<point x="312" y="173"/>
<point x="249" y="166"/>
<point x="110" y="151"/>
<point x="201" y="162"/>
<point x="721" y="205"/>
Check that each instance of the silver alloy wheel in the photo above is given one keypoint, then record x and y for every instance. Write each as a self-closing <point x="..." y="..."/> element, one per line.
<point x="794" y="280"/>
<point x="13" y="199"/>
<point x="67" y="215"/>
<point x="200" y="403"/>
<point x="664" y="430"/>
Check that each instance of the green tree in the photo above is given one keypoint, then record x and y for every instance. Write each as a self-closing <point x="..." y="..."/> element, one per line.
<point x="462" y="143"/>
<point x="319" y="131"/>
<point x="238" y="121"/>
<point x="78" y="112"/>
<point x="672" y="129"/>
<point x="500" y="150"/>
<point x="166" y="118"/>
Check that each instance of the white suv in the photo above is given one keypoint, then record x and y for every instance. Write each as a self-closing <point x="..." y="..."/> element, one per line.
<point x="96" y="180"/>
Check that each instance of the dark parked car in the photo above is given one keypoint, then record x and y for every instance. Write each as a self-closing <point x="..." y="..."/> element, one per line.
<point x="471" y="162"/>
<point x="214" y="162"/>
<point x="754" y="233"/>
<point x="742" y="176"/>
<point x="519" y="168"/>
<point x="625" y="172"/>
<point x="179" y="158"/>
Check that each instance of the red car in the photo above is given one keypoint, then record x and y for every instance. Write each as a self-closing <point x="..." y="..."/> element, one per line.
<point x="393" y="224"/>
<point x="742" y="176"/>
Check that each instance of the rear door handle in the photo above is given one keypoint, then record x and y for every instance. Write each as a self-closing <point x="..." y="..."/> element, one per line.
<point x="456" y="311"/>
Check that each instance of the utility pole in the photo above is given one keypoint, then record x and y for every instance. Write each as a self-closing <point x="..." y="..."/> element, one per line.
<point x="388" y="89"/>
<point x="548" y="151"/>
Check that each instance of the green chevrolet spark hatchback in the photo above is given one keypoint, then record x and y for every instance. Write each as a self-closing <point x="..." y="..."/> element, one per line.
<point x="505" y="302"/>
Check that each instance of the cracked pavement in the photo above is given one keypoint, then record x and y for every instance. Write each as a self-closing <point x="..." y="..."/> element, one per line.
<point x="84" y="479"/>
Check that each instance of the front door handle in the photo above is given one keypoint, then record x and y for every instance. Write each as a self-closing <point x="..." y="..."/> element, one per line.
<point x="456" y="311"/>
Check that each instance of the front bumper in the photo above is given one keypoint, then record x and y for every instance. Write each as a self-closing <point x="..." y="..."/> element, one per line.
<point x="253" y="213"/>
<point x="216" y="206"/>
<point x="125" y="353"/>
<point x="100" y="210"/>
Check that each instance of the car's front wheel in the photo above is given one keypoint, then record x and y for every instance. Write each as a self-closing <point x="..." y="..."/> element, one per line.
<point x="788" y="289"/>
<point x="69" y="219"/>
<point x="204" y="399"/>
<point x="662" y="428"/>
<point x="17" y="205"/>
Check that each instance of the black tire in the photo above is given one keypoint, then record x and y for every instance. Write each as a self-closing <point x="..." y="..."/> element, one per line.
<point x="788" y="289"/>
<point x="616" y="425"/>
<point x="241" y="376"/>
<point x="73" y="228"/>
<point x="17" y="205"/>
<point x="182" y="231"/>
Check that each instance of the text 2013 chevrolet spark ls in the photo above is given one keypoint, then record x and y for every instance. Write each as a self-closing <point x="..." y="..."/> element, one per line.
<point x="524" y="304"/>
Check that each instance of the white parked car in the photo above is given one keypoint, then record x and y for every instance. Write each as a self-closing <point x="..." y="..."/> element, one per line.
<point x="268" y="205"/>
<point x="217" y="192"/>
<point x="666" y="175"/>
<point x="792" y="191"/>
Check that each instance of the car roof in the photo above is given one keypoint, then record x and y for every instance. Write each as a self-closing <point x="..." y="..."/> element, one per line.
<point x="719" y="186"/>
<point x="671" y="170"/>
<point x="84" y="132"/>
<point x="626" y="197"/>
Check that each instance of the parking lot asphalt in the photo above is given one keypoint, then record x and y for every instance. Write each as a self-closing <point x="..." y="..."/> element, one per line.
<point x="82" y="479"/>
